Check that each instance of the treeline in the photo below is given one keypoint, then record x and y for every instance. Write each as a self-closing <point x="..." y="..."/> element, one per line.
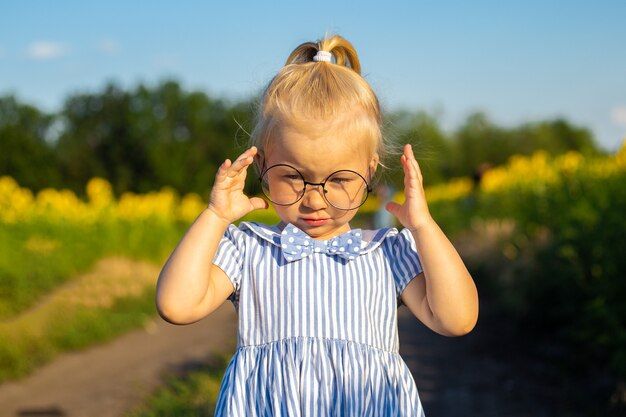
<point x="145" y="138"/>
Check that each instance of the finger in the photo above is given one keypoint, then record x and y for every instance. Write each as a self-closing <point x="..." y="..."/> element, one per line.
<point x="258" y="203"/>
<point x="409" y="156"/>
<point x="410" y="169"/>
<point x="223" y="169"/>
<point x="240" y="164"/>
<point x="410" y="164"/>
<point x="393" y="208"/>
<point x="413" y="161"/>
<point x="250" y="152"/>
<point x="408" y="151"/>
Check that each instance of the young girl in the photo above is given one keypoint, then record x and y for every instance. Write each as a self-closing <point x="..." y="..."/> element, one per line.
<point x="316" y="300"/>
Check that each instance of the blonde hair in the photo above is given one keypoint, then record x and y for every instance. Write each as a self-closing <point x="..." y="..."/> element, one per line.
<point x="318" y="97"/>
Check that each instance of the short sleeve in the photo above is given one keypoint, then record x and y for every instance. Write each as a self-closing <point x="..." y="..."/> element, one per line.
<point x="404" y="261"/>
<point x="228" y="255"/>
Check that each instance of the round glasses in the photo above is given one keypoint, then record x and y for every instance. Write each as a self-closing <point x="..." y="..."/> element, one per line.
<point x="284" y="185"/>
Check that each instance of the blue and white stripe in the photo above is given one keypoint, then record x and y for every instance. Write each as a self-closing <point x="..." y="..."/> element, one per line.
<point x="317" y="336"/>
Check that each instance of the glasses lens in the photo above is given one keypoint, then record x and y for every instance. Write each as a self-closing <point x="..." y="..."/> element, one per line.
<point x="282" y="185"/>
<point x="345" y="190"/>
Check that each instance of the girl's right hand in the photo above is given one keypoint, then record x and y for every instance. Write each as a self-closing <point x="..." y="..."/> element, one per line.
<point x="228" y="200"/>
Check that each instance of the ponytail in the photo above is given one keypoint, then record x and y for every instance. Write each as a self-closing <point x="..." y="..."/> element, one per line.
<point x="321" y="88"/>
<point x="343" y="52"/>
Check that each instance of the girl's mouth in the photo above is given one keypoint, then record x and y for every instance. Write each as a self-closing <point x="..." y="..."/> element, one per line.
<point x="315" y="222"/>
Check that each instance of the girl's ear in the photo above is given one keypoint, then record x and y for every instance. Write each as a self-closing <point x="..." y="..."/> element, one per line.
<point x="374" y="163"/>
<point x="259" y="161"/>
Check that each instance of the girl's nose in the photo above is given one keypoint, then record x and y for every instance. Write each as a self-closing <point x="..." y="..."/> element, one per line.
<point x="313" y="197"/>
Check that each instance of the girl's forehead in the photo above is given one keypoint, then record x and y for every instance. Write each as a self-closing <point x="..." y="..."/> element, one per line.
<point x="317" y="154"/>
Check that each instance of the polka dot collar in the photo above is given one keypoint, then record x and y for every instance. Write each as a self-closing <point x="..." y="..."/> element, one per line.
<point x="355" y="243"/>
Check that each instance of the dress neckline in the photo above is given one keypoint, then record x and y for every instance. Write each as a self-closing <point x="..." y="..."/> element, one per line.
<point x="371" y="240"/>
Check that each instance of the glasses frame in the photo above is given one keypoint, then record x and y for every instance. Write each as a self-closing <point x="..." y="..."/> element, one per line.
<point x="368" y="186"/>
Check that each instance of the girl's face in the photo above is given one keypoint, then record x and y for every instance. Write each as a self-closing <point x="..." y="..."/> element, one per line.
<point x="316" y="159"/>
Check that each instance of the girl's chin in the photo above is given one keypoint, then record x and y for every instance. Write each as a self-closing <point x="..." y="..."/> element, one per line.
<point x="321" y="229"/>
<point x="325" y="231"/>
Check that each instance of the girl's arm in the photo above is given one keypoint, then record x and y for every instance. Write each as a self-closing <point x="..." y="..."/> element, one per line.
<point x="444" y="296"/>
<point x="189" y="285"/>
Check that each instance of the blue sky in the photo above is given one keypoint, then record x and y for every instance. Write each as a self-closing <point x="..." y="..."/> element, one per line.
<point x="516" y="61"/>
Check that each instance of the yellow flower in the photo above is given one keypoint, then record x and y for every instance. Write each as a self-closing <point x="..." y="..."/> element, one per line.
<point x="190" y="207"/>
<point x="41" y="245"/>
<point x="99" y="192"/>
<point x="16" y="203"/>
<point x="569" y="162"/>
<point x="155" y="205"/>
<point x="453" y="190"/>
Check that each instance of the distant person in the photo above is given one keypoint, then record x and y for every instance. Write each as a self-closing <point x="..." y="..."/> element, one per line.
<point x="470" y="201"/>
<point x="317" y="300"/>
<point x="383" y="218"/>
<point x="479" y="173"/>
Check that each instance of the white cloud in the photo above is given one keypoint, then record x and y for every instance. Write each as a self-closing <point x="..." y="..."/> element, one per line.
<point x="46" y="50"/>
<point x="108" y="46"/>
<point x="618" y="115"/>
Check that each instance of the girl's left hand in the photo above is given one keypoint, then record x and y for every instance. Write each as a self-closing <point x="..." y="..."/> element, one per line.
<point x="413" y="213"/>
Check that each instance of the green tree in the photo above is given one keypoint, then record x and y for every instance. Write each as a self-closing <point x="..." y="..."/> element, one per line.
<point x="97" y="141"/>
<point x="192" y="135"/>
<point x="431" y="145"/>
<point x="24" y="153"/>
<point x="555" y="137"/>
<point x="479" y="142"/>
<point x="147" y="138"/>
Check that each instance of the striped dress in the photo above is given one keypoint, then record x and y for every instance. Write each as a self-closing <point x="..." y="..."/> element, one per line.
<point x="317" y="336"/>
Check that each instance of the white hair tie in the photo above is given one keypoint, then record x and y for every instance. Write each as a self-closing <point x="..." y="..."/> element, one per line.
<point x="322" y="56"/>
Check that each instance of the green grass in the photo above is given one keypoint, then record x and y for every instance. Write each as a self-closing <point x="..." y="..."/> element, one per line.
<point x="191" y="395"/>
<point x="34" y="341"/>
<point x="38" y="257"/>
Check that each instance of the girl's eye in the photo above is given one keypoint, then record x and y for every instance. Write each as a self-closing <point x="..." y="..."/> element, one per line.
<point x="340" y="180"/>
<point x="291" y="177"/>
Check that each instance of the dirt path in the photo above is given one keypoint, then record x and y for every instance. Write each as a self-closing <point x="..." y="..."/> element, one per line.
<point x="490" y="372"/>
<point x="111" y="379"/>
<point x="472" y="375"/>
